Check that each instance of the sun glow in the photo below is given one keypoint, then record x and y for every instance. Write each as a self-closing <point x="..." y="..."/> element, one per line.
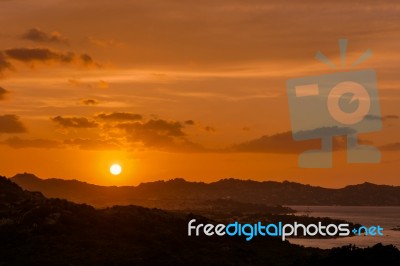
<point x="115" y="169"/>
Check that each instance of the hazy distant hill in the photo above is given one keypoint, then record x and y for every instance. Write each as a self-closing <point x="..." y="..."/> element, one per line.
<point x="35" y="230"/>
<point x="180" y="194"/>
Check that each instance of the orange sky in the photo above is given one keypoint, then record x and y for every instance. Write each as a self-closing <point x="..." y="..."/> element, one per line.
<point x="173" y="88"/>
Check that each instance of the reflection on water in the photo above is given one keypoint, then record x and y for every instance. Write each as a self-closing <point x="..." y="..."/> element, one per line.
<point x="386" y="217"/>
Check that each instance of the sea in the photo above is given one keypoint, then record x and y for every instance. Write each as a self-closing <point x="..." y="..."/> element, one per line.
<point x="386" y="217"/>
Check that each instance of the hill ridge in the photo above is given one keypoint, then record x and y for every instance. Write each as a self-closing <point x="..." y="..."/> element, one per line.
<point x="178" y="193"/>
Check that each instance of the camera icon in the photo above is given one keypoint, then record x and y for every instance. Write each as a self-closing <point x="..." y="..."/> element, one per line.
<point x="338" y="104"/>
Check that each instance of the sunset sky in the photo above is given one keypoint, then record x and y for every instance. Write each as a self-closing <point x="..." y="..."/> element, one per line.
<point x="192" y="89"/>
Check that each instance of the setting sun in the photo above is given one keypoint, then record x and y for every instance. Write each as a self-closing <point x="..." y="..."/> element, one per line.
<point x="115" y="169"/>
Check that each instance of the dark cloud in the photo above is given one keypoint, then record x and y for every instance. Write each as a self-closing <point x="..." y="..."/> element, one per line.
<point x="278" y="143"/>
<point x="40" y="36"/>
<point x="382" y="118"/>
<point x="391" y="147"/>
<point x="209" y="129"/>
<point x="83" y="144"/>
<point x="118" y="116"/>
<point x="163" y="127"/>
<point x="131" y="130"/>
<point x="30" y="55"/>
<point x="391" y="117"/>
<point x="87" y="59"/>
<point x="189" y="122"/>
<point x="93" y="144"/>
<point x="3" y="93"/>
<point x="19" y="143"/>
<point x="44" y="55"/>
<point x="284" y="142"/>
<point x="323" y="132"/>
<point x="4" y="63"/>
<point x="90" y="102"/>
<point x="74" y="122"/>
<point x="38" y="54"/>
<point x="11" y="124"/>
<point x="159" y="134"/>
<point x="156" y="126"/>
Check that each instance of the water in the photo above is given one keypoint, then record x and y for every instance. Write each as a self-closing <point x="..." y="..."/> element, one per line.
<point x="386" y="217"/>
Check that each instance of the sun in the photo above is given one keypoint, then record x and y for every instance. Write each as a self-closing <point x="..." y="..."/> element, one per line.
<point x="115" y="169"/>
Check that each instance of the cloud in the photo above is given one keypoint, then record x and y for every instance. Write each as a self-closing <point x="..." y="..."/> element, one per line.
<point x="324" y="132"/>
<point x="38" y="54"/>
<point x="391" y="117"/>
<point x="101" y="84"/>
<point x="117" y="116"/>
<point x="284" y="142"/>
<point x="4" y="63"/>
<point x="131" y="130"/>
<point x="277" y="143"/>
<point x="209" y="129"/>
<point x="90" y="102"/>
<point x="3" y="93"/>
<point x="11" y="124"/>
<point x="29" y="55"/>
<point x="157" y="126"/>
<point x="189" y="122"/>
<point x="40" y="36"/>
<point x="229" y="31"/>
<point x="391" y="147"/>
<point x="80" y="143"/>
<point x="83" y="144"/>
<point x="159" y="134"/>
<point x="74" y="122"/>
<point x="93" y="144"/>
<point x="18" y="143"/>
<point x="87" y="59"/>
<point x="45" y="55"/>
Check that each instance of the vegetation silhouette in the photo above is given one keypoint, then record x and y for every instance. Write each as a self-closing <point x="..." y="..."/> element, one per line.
<point x="35" y="230"/>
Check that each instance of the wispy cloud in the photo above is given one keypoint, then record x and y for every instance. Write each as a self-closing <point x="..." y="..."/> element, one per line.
<point x="74" y="122"/>
<point x="119" y="116"/>
<point x="40" y="36"/>
<point x="19" y="143"/>
<point x="3" y="93"/>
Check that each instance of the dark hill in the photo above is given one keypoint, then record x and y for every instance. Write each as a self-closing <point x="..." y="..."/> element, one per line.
<point x="181" y="194"/>
<point x="35" y="230"/>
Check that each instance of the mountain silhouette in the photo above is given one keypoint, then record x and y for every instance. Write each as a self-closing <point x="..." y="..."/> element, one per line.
<point x="181" y="194"/>
<point x="35" y="230"/>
